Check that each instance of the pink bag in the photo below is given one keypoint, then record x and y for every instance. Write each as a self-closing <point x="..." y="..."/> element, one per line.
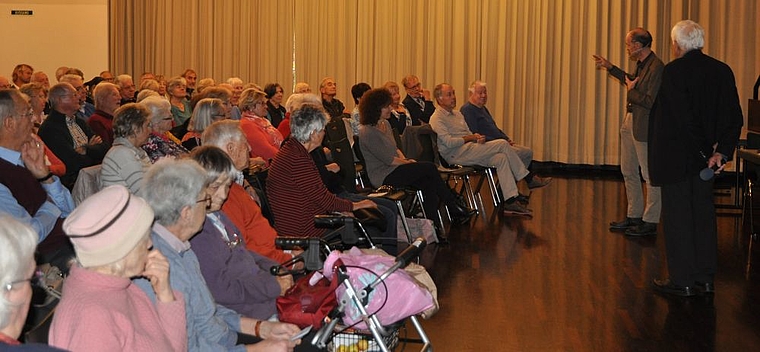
<point x="407" y="297"/>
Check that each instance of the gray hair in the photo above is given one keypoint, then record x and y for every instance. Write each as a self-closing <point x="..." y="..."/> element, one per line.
<point x="17" y="244"/>
<point x="405" y="80"/>
<point x="234" y="80"/>
<point x="475" y="84"/>
<point x="8" y="99"/>
<point x="302" y="87"/>
<point x="215" y="161"/>
<point x="297" y="100"/>
<point x="121" y="79"/>
<point x="249" y="98"/>
<point x="438" y="90"/>
<point x="170" y="185"/>
<point x="129" y="119"/>
<point x="688" y="35"/>
<point x="305" y="121"/>
<point x="222" y="132"/>
<point x="145" y="94"/>
<point x="159" y="108"/>
<point x="150" y="84"/>
<point x="57" y="91"/>
<point x="205" y="113"/>
<point x="69" y="78"/>
<point x="175" y="81"/>
<point x="101" y="92"/>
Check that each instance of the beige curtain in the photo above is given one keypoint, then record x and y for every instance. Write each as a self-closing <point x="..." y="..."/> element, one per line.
<point x="535" y="56"/>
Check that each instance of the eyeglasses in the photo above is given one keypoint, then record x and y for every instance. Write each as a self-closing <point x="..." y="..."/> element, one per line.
<point x="207" y="200"/>
<point x="32" y="280"/>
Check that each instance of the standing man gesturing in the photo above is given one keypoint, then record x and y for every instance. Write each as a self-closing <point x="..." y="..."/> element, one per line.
<point x="642" y="89"/>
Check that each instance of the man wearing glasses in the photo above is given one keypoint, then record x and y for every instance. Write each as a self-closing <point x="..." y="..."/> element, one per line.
<point x="29" y="192"/>
<point x="69" y="137"/>
<point x="417" y="99"/>
<point x="85" y="109"/>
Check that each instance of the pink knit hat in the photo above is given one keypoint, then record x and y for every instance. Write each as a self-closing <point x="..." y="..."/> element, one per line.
<point x="108" y="225"/>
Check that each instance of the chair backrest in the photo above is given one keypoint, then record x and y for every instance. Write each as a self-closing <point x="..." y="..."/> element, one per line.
<point x="342" y="154"/>
<point x="87" y="184"/>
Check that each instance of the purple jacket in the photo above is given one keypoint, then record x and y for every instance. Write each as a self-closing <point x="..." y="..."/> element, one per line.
<point x="238" y="278"/>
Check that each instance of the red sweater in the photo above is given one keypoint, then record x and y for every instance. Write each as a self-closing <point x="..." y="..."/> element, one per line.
<point x="245" y="213"/>
<point x="296" y="192"/>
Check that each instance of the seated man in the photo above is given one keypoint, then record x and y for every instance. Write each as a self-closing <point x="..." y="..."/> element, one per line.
<point x="479" y="120"/>
<point x="417" y="99"/>
<point x="86" y="109"/>
<point x="459" y="145"/>
<point x="334" y="107"/>
<point x="28" y="191"/>
<point x="68" y="136"/>
<point x="127" y="88"/>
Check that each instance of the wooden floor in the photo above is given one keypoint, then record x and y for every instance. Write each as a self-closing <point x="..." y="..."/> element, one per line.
<point x="562" y="281"/>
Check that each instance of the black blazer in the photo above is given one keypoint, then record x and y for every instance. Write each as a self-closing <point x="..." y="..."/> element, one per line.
<point x="697" y="107"/>
<point x="417" y="112"/>
<point x="58" y="139"/>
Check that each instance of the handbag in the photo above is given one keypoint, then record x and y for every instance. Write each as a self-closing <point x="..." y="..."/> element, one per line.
<point x="306" y="304"/>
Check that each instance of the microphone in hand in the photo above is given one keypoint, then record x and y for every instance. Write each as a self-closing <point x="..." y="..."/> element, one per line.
<point x="709" y="172"/>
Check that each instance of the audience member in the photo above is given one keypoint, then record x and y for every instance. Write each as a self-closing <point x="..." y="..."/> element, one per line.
<point x="126" y="162"/>
<point x="295" y="101"/>
<point x="400" y="116"/>
<point x="417" y="99"/>
<point x="238" y="278"/>
<point x="161" y="85"/>
<point x="328" y="89"/>
<point x="302" y="87"/>
<point x="22" y="74"/>
<point x="190" y="77"/>
<point x="17" y="274"/>
<point x="126" y="88"/>
<point x="207" y="112"/>
<point x="275" y="110"/>
<point x="695" y="125"/>
<point x="642" y="86"/>
<point x="479" y="120"/>
<point x="5" y="83"/>
<point x="176" y="91"/>
<point x="458" y="145"/>
<point x="29" y="192"/>
<point x="85" y="109"/>
<point x="107" y="100"/>
<point x="41" y="78"/>
<point x="242" y="205"/>
<point x="68" y="136"/>
<point x="37" y="98"/>
<point x="176" y="190"/>
<point x="100" y="308"/>
<point x="357" y="91"/>
<point x="263" y="137"/>
<point x="59" y="72"/>
<point x="295" y="189"/>
<point x="161" y="143"/>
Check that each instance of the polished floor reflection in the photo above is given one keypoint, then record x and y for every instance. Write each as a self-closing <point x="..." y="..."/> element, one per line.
<point x="562" y="281"/>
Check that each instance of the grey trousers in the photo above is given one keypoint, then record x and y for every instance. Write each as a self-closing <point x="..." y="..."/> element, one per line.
<point x="497" y="154"/>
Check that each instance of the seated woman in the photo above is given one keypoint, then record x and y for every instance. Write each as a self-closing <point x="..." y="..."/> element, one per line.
<point x="238" y="278"/>
<point x="100" y="308"/>
<point x="126" y="163"/>
<point x="399" y="117"/>
<point x="275" y="110"/>
<point x="177" y="192"/>
<point x="295" y="189"/>
<point x="387" y="165"/>
<point x="161" y="142"/>
<point x="264" y="139"/>
<point x="177" y="94"/>
<point x="295" y="101"/>
<point x="208" y="111"/>
<point x="17" y="244"/>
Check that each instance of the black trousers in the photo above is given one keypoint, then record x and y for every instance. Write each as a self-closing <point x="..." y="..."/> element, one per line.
<point x="691" y="234"/>
<point x="424" y="176"/>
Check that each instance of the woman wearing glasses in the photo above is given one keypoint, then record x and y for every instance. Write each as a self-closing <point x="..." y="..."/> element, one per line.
<point x="238" y="278"/>
<point x="161" y="143"/>
<point x="264" y="138"/>
<point x="100" y="308"/>
<point x="17" y="244"/>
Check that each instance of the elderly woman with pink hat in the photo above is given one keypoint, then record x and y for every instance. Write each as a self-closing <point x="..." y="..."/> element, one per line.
<point x="100" y="308"/>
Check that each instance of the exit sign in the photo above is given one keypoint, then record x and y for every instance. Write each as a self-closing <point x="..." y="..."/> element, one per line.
<point x="22" y="12"/>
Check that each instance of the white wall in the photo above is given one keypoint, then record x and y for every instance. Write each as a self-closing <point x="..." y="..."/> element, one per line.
<point x="71" y="33"/>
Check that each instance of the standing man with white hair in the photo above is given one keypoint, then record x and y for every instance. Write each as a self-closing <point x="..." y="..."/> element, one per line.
<point x="642" y="87"/>
<point x="695" y="124"/>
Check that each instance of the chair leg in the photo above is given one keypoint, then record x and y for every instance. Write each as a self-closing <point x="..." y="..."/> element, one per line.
<point x="493" y="187"/>
<point x="401" y="212"/>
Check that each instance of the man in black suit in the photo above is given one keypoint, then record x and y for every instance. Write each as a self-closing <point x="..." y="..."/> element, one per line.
<point x="68" y="136"/>
<point x="695" y="124"/>
<point x="417" y="99"/>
